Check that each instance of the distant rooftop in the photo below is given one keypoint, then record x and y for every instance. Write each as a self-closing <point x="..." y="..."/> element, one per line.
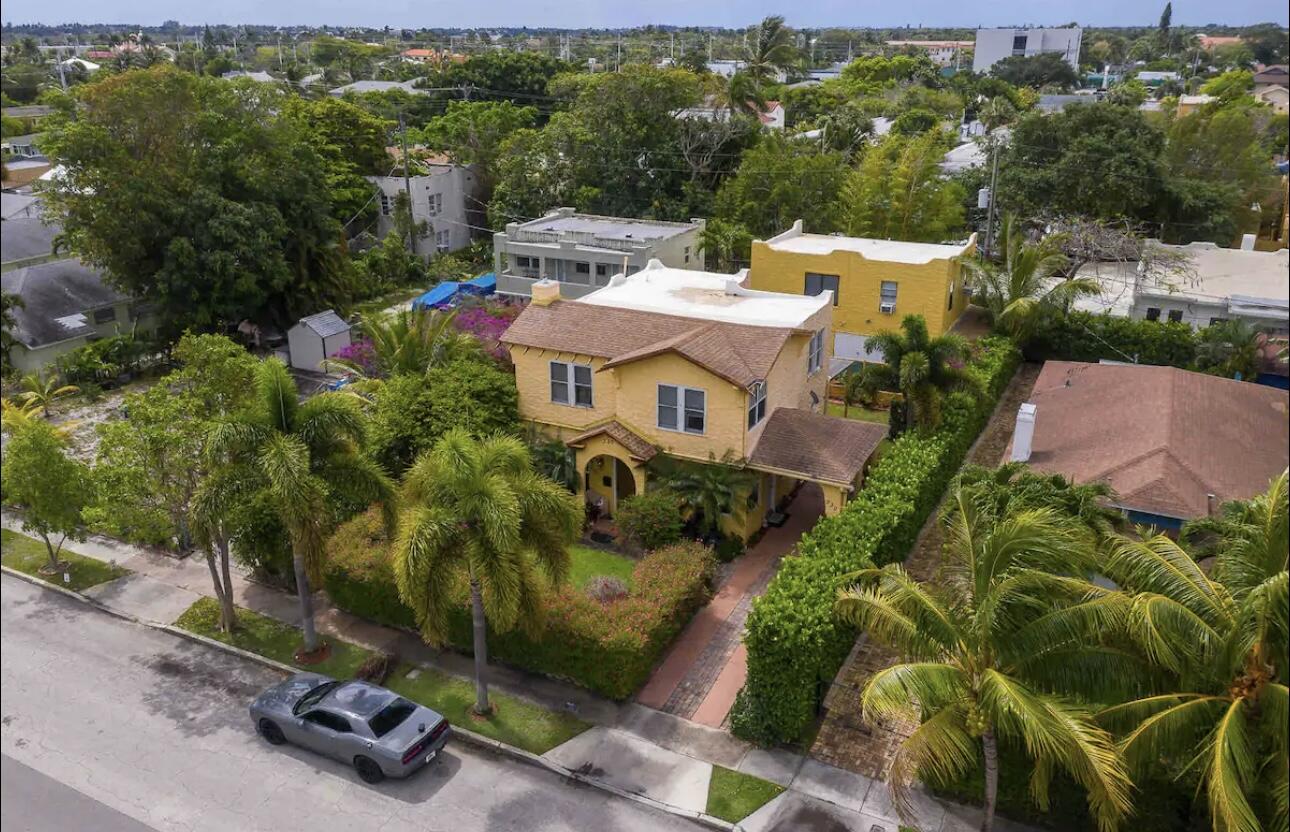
<point x="890" y="251"/>
<point x="1233" y="272"/>
<point x="705" y="296"/>
<point x="377" y="86"/>
<point x="624" y="229"/>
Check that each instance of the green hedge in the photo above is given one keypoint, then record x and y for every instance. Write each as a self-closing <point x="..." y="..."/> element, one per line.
<point x="1084" y="336"/>
<point x="795" y="644"/>
<point x="609" y="648"/>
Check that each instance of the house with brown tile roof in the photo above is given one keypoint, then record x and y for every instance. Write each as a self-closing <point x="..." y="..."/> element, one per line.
<point x="1172" y="444"/>
<point x="695" y="366"/>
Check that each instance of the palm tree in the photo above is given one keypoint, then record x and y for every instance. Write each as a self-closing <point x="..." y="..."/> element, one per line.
<point x="770" y="49"/>
<point x="922" y="368"/>
<point x="862" y="386"/>
<point x="726" y="244"/>
<point x="411" y="341"/>
<point x="1230" y="348"/>
<point x="1028" y="281"/>
<point x="475" y="509"/>
<point x="39" y="392"/>
<point x="981" y="661"/>
<point x="304" y="453"/>
<point x="707" y="491"/>
<point x="1223" y="637"/>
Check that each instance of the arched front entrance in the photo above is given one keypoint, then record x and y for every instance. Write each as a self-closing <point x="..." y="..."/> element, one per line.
<point x="607" y="480"/>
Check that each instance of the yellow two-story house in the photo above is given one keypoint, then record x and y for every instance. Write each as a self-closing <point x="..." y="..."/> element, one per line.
<point x="693" y="365"/>
<point x="874" y="283"/>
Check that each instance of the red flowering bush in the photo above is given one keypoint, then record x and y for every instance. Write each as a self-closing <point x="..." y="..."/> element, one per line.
<point x="607" y="647"/>
<point x="362" y="353"/>
<point x="487" y="323"/>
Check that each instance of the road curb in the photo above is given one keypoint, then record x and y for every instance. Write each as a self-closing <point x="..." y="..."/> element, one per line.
<point x="464" y="734"/>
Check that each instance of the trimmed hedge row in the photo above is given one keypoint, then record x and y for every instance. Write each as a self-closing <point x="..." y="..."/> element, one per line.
<point x="1084" y="336"/>
<point x="609" y="648"/>
<point x="795" y="644"/>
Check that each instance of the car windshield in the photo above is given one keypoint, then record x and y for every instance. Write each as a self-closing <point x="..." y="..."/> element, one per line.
<point x="313" y="697"/>
<point x="391" y="717"/>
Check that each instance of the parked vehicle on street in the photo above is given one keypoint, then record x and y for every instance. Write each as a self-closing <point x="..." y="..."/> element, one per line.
<point x="375" y="730"/>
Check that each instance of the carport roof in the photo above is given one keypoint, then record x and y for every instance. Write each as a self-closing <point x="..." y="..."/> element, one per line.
<point x="816" y="447"/>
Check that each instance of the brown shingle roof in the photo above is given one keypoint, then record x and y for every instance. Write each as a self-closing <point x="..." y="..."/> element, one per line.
<point x="815" y="446"/>
<point x="1163" y="438"/>
<point x="636" y="445"/>
<point x="741" y="354"/>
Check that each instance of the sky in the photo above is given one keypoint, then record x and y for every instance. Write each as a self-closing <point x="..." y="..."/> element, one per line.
<point x="617" y="13"/>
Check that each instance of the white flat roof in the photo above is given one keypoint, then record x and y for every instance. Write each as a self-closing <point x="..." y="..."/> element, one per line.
<point x="705" y="296"/>
<point x="608" y="228"/>
<point x="1225" y="272"/>
<point x="890" y="251"/>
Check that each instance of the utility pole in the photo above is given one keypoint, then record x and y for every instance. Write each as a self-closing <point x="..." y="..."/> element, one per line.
<point x="989" y="210"/>
<point x="619" y="67"/>
<point x="407" y="183"/>
<point x="62" y="76"/>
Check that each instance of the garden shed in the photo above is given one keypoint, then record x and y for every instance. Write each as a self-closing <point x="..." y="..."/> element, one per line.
<point x="316" y="338"/>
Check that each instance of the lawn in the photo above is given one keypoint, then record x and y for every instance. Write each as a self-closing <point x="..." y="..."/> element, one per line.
<point x="515" y="722"/>
<point x="733" y="795"/>
<point x="857" y="412"/>
<point x="588" y="563"/>
<point x="26" y="554"/>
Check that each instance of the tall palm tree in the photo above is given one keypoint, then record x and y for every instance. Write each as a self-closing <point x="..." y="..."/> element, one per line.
<point x="1223" y="637"/>
<point x="726" y="244"/>
<point x="304" y="454"/>
<point x="474" y="509"/>
<point x="40" y="392"/>
<point x="981" y="662"/>
<point x="1028" y="280"/>
<point x="411" y="341"/>
<point x="770" y="48"/>
<point x="923" y="368"/>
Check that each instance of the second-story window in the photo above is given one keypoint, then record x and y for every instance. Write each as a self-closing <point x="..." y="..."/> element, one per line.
<point x="756" y="403"/>
<point x="387" y="204"/>
<point x="581" y="273"/>
<point x="436" y="204"/>
<point x="815" y="352"/>
<point x="887" y="296"/>
<point x="682" y="408"/>
<point x="571" y="384"/>
<point x="817" y="283"/>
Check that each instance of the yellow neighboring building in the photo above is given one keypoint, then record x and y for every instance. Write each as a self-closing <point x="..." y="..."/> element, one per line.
<point x="693" y="365"/>
<point x="875" y="283"/>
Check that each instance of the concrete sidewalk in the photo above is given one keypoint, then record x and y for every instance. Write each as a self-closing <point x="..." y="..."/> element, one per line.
<point x="631" y="748"/>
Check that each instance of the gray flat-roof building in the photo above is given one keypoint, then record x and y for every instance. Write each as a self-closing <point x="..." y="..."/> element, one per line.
<point x="993" y="45"/>
<point x="582" y="251"/>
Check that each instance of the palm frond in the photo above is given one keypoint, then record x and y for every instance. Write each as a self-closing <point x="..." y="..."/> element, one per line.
<point x="1230" y="771"/>
<point x="902" y="690"/>
<point x="427" y="553"/>
<point x="939" y="749"/>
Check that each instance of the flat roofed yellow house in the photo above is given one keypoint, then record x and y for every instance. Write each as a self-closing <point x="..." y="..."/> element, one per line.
<point x="694" y="365"/>
<point x="875" y="283"/>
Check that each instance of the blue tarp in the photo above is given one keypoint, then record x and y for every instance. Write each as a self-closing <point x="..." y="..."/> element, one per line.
<point x="485" y="284"/>
<point x="437" y="297"/>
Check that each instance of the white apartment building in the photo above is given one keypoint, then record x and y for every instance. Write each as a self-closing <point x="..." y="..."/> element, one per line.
<point x="993" y="45"/>
<point x="583" y="251"/>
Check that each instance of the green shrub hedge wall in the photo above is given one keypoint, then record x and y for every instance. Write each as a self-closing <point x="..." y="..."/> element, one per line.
<point x="609" y="648"/>
<point x="795" y="644"/>
<point x="1085" y="336"/>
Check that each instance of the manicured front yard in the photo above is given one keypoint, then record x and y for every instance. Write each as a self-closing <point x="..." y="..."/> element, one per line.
<point x="589" y="563"/>
<point x="515" y="722"/>
<point x="733" y="795"/>
<point x="863" y="414"/>
<point x="27" y="554"/>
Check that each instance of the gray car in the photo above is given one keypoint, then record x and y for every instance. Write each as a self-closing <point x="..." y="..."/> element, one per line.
<point x="375" y="730"/>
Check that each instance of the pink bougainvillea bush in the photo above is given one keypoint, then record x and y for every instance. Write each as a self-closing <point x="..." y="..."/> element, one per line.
<point x="487" y="323"/>
<point x="362" y="354"/>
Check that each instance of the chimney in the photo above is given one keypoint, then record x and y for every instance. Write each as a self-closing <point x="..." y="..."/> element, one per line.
<point x="1211" y="504"/>
<point x="1024" y="435"/>
<point x="545" y="292"/>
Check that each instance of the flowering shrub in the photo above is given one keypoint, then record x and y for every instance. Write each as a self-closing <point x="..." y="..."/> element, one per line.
<point x="362" y="353"/>
<point x="487" y="322"/>
<point x="608" y="647"/>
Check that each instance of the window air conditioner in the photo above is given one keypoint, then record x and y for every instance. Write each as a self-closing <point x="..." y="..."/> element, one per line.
<point x="887" y="308"/>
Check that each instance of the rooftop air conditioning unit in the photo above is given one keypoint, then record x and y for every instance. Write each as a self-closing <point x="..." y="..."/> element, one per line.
<point x="887" y="308"/>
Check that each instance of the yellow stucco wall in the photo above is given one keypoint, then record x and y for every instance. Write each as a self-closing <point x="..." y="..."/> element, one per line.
<point x="533" y="381"/>
<point x="923" y="289"/>
<point x="724" y="426"/>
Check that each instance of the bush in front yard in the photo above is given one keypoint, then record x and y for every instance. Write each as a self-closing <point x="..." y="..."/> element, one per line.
<point x="609" y="648"/>
<point x="651" y="520"/>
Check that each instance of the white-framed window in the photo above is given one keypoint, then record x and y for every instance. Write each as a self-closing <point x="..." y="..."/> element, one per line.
<point x="817" y="283"/>
<point x="815" y="352"/>
<point x="887" y="293"/>
<point x="443" y="240"/>
<point x="571" y="384"/>
<point x="435" y="204"/>
<point x="756" y="403"/>
<point x="682" y="409"/>
<point x="387" y="204"/>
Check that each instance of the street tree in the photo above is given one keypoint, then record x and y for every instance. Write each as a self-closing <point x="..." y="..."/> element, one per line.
<point x="50" y="486"/>
<point x="474" y="509"/>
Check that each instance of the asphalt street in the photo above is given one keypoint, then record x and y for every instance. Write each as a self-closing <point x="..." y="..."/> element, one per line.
<point x="117" y="727"/>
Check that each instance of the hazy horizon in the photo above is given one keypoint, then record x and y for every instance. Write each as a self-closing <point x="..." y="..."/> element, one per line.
<point x="600" y="14"/>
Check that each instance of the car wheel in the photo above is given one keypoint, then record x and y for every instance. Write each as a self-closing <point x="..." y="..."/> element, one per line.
<point x="271" y="732"/>
<point x="368" y="770"/>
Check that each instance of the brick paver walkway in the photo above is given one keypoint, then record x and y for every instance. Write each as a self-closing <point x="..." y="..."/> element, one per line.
<point x="845" y="739"/>
<point x="705" y="668"/>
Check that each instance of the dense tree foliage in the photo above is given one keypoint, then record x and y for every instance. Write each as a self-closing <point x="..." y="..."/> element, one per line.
<point x="1046" y="70"/>
<point x="897" y="192"/>
<point x="781" y="180"/>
